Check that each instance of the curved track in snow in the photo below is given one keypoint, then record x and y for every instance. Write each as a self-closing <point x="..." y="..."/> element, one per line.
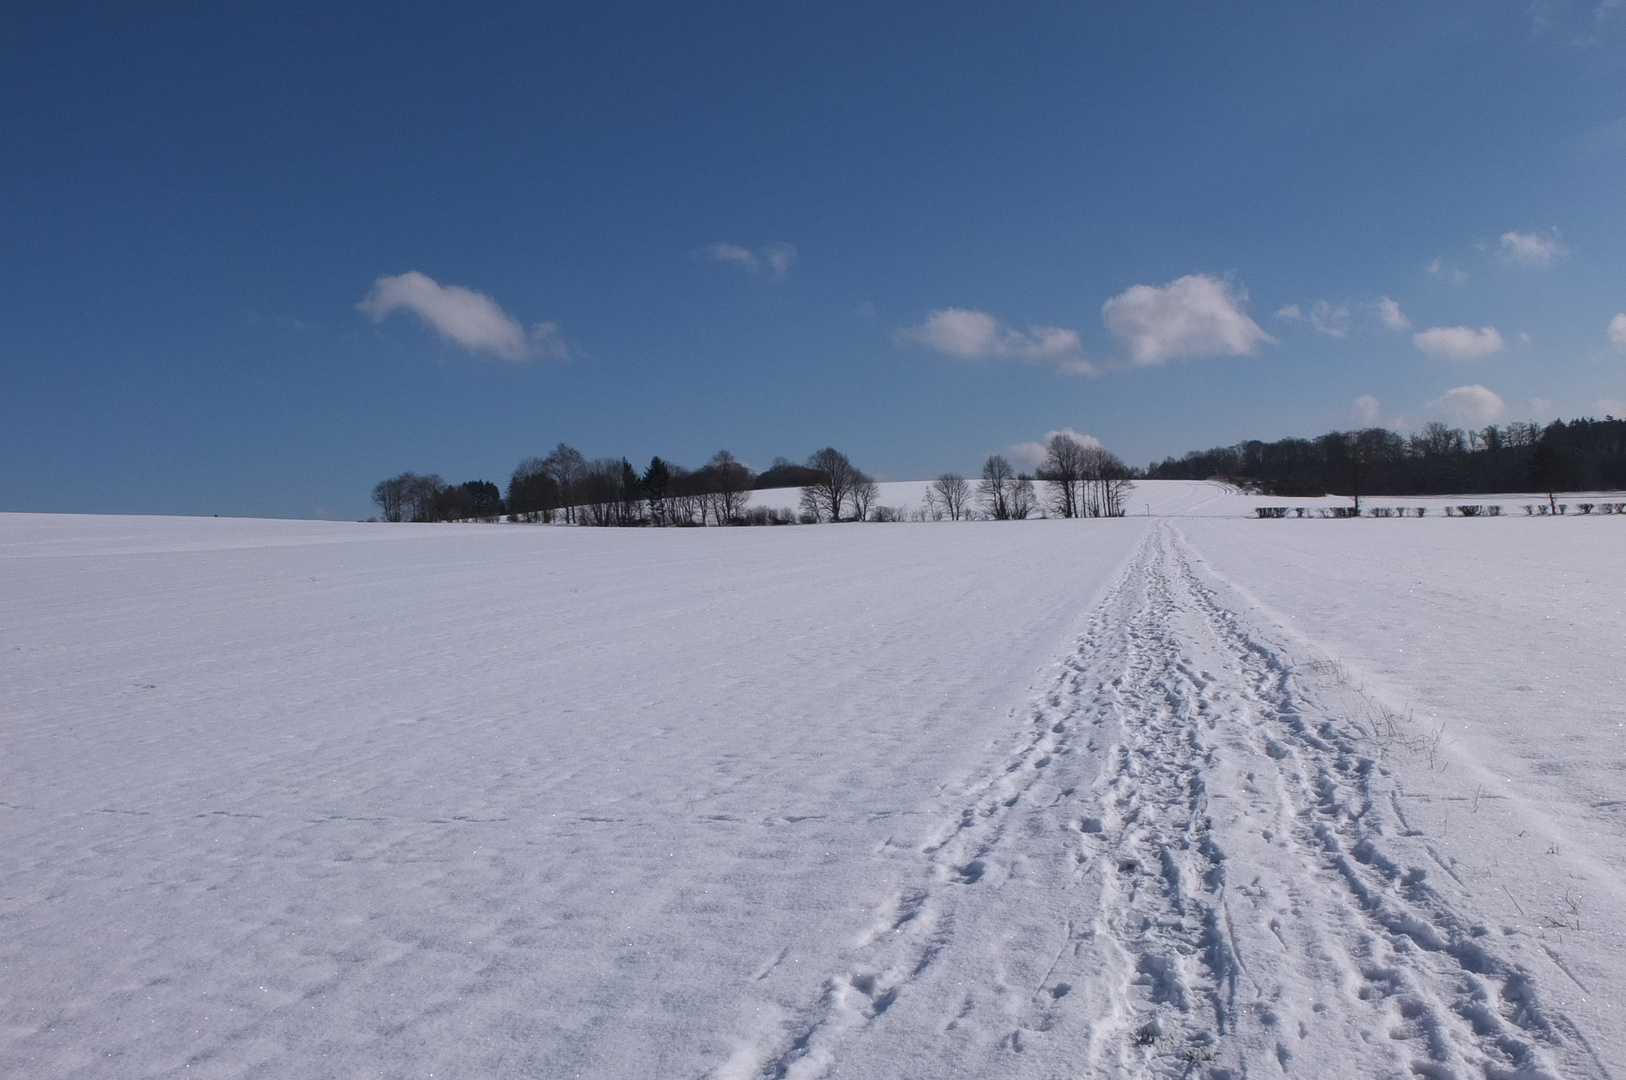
<point x="1184" y="865"/>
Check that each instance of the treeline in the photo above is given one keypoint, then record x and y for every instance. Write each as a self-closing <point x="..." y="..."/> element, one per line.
<point x="565" y="486"/>
<point x="1580" y="455"/>
<point x="1078" y="480"/>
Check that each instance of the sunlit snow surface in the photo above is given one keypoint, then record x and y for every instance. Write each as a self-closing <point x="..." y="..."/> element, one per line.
<point x="1161" y="796"/>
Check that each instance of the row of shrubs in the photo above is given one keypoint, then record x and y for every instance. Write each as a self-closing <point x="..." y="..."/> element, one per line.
<point x="1541" y="510"/>
<point x="1464" y="510"/>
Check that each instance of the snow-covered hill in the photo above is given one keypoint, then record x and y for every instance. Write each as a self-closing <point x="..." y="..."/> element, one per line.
<point x="1178" y="794"/>
<point x="1210" y="498"/>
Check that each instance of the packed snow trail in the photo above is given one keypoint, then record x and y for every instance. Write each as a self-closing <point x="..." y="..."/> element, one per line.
<point x="1184" y="866"/>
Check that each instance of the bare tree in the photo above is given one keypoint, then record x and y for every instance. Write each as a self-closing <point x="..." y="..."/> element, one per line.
<point x="568" y="469"/>
<point x="931" y="507"/>
<point x="422" y="496"/>
<point x="391" y="496"/>
<point x="862" y="494"/>
<point x="688" y="496"/>
<point x="729" y="480"/>
<point x="1023" y="497"/>
<point x="598" y="493"/>
<point x="1105" y="484"/>
<point x="995" y="489"/>
<point x="830" y="490"/>
<point x="955" y="493"/>
<point x="1085" y="479"/>
<point x="1063" y="473"/>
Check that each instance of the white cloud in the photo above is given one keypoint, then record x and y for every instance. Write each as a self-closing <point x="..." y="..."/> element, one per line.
<point x="977" y="335"/>
<point x="1617" y="330"/>
<point x="1290" y="312"/>
<point x="1196" y="315"/>
<point x="774" y="260"/>
<point x="1611" y="407"/>
<point x="1365" y="410"/>
<point x="1458" y="342"/>
<point x="471" y="319"/>
<point x="1531" y="249"/>
<point x="1330" y="319"/>
<point x="1033" y="453"/>
<point x="1389" y="311"/>
<point x="1469" y="405"/>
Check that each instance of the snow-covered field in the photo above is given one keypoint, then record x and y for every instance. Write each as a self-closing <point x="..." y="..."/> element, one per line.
<point x="1179" y="794"/>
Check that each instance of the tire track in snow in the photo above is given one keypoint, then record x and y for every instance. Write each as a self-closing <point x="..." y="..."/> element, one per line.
<point x="1241" y="909"/>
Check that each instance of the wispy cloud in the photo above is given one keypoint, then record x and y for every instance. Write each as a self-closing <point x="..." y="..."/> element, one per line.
<point x="1336" y="320"/>
<point x="977" y="335"/>
<point x="1331" y="319"/>
<point x="1617" y="330"/>
<point x="771" y="260"/>
<point x="1365" y="410"/>
<point x="778" y="258"/>
<point x="1033" y="454"/>
<point x="1469" y="405"/>
<point x="1459" y="342"/>
<point x="730" y="253"/>
<point x="468" y="318"/>
<point x="1389" y="311"/>
<point x="1531" y="249"/>
<point x="1196" y="315"/>
<point x="549" y="342"/>
<point x="1585" y="23"/>
<point x="1445" y="272"/>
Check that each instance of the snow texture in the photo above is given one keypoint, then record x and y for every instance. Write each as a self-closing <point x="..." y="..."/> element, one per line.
<point x="1176" y="795"/>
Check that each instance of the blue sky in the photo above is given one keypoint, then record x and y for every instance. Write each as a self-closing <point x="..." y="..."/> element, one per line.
<point x="254" y="258"/>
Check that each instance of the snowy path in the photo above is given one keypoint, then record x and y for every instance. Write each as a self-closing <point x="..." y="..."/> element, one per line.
<point x="1185" y="867"/>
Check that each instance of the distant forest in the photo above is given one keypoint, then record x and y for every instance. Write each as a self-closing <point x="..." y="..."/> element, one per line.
<point x="1581" y="455"/>
<point x="1076" y="479"/>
